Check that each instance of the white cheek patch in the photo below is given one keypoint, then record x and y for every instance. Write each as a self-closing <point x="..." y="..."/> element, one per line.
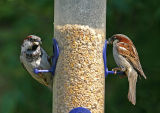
<point x="27" y="44"/>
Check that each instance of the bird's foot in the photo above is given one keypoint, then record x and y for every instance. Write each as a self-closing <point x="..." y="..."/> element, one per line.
<point x="119" y="69"/>
<point x="116" y="69"/>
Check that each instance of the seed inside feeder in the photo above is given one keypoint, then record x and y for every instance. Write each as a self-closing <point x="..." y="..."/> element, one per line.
<point x="80" y="69"/>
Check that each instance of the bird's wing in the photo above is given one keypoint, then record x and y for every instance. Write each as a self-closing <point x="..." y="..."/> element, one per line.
<point x="49" y="58"/>
<point x="22" y="63"/>
<point x="130" y="53"/>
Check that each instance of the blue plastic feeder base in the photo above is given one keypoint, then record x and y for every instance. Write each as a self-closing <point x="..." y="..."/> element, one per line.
<point x="80" y="110"/>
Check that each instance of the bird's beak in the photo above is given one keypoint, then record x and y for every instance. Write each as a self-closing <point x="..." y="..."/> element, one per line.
<point x="36" y="43"/>
<point x="109" y="41"/>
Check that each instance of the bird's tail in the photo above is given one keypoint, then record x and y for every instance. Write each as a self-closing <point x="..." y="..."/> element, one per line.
<point x="132" y="79"/>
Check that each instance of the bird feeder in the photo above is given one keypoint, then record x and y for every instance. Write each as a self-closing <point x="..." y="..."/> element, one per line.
<point x="79" y="81"/>
<point x="79" y="63"/>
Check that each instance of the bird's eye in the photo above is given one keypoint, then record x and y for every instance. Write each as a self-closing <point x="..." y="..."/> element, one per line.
<point x="30" y="39"/>
<point x="114" y="38"/>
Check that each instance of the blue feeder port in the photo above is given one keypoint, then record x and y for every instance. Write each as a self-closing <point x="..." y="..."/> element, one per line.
<point x="54" y="60"/>
<point x="105" y="62"/>
<point x="80" y="110"/>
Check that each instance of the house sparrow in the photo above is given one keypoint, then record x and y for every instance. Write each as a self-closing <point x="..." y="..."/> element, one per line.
<point x="34" y="56"/>
<point x="126" y="57"/>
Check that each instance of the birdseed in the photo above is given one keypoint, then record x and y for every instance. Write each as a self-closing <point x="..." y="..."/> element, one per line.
<point x="79" y="78"/>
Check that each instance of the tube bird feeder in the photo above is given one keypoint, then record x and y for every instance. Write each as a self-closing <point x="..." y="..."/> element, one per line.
<point x="79" y="81"/>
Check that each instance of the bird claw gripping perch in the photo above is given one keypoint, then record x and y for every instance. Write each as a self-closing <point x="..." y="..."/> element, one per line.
<point x="107" y="72"/>
<point x="54" y="60"/>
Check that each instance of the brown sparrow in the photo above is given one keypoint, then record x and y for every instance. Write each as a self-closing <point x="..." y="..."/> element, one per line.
<point x="126" y="57"/>
<point x="34" y="56"/>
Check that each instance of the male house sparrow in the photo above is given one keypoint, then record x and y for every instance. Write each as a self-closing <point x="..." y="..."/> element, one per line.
<point x="34" y="56"/>
<point x="126" y="57"/>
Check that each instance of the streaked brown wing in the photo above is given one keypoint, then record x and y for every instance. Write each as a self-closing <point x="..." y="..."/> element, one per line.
<point x="131" y="54"/>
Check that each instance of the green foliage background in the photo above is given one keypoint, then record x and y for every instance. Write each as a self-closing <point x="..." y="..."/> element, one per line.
<point x="19" y="93"/>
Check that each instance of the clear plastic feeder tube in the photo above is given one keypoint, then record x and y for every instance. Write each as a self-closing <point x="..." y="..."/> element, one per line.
<point x="82" y="12"/>
<point x="79" y="81"/>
